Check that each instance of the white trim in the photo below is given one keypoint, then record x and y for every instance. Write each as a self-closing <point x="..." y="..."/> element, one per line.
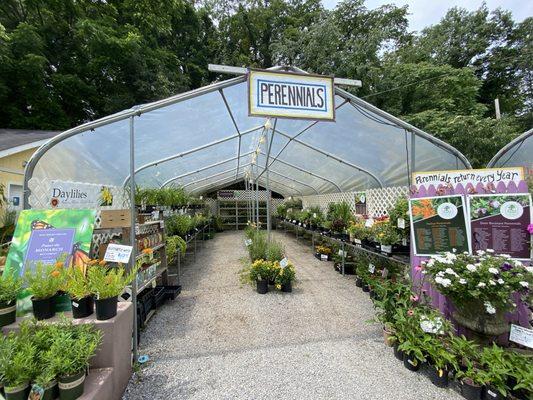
<point x="22" y="147"/>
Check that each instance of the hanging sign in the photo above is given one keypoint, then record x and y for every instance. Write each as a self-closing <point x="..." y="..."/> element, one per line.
<point x="64" y="194"/>
<point x="291" y="95"/>
<point x="488" y="177"/>
<point x="438" y="224"/>
<point x="499" y="222"/>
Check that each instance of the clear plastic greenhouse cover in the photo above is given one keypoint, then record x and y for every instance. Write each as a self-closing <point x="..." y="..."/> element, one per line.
<point x="518" y="153"/>
<point x="204" y="140"/>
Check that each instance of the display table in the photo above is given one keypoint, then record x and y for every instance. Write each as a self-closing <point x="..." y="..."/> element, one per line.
<point x="110" y="368"/>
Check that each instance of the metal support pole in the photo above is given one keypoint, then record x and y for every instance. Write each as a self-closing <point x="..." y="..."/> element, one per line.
<point x="413" y="159"/>
<point x="257" y="200"/>
<point x="195" y="235"/>
<point x="132" y="237"/>
<point x="179" y="266"/>
<point x="342" y="249"/>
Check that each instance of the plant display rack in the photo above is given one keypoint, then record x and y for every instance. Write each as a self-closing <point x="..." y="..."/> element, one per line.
<point x="110" y="369"/>
<point x="235" y="214"/>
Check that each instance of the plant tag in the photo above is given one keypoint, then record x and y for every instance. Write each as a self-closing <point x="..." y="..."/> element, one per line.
<point x="305" y="226"/>
<point x="491" y="393"/>
<point x="521" y="335"/>
<point x="283" y="263"/>
<point x="412" y="362"/>
<point x="384" y="273"/>
<point x="404" y="241"/>
<point x="161" y="224"/>
<point x="357" y="241"/>
<point x="299" y="224"/>
<point x="75" y="304"/>
<point x="401" y="223"/>
<point x="369" y="222"/>
<point x="37" y="392"/>
<point x="371" y="268"/>
<point x="248" y="242"/>
<point x="155" y="215"/>
<point x="314" y="215"/>
<point x="118" y="253"/>
<point x="342" y="253"/>
<point x="324" y="257"/>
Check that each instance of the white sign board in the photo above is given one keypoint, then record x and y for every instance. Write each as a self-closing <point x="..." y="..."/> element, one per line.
<point x="291" y="95"/>
<point x="118" y="253"/>
<point x="521" y="335"/>
<point x="65" y="194"/>
<point x="488" y="177"/>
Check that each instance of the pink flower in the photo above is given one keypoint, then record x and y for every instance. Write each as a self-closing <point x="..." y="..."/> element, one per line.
<point x="419" y="268"/>
<point x="414" y="298"/>
<point x="410" y="313"/>
<point x="530" y="229"/>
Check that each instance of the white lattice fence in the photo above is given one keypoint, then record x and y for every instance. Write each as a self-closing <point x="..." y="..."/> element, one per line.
<point x="378" y="200"/>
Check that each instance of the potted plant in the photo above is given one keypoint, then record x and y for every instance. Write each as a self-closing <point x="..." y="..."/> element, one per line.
<point x="45" y="383"/>
<point x="107" y="284"/>
<point x="10" y="287"/>
<point x="77" y="286"/>
<point x="42" y="336"/>
<point x="386" y="235"/>
<point x="496" y="369"/>
<point x="260" y="272"/>
<point x="323" y="253"/>
<point x="43" y="283"/>
<point x="17" y="365"/>
<point x="358" y="231"/>
<point x="472" y="379"/>
<point x="72" y="348"/>
<point x="284" y="277"/>
<point x="480" y="286"/>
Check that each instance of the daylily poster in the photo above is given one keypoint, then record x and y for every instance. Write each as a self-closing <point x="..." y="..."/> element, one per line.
<point x="45" y="236"/>
<point x="438" y="224"/>
<point x="500" y="222"/>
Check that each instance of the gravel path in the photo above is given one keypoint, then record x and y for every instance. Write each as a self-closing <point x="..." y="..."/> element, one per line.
<point x="222" y="340"/>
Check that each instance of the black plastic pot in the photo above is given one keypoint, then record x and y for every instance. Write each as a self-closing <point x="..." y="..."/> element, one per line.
<point x="82" y="308"/>
<point x="366" y="288"/>
<point x="410" y="362"/>
<point x="372" y="294"/>
<point x="471" y="392"/>
<point x="262" y="287"/>
<point x="398" y="353"/>
<point x="17" y="393"/>
<point x="490" y="393"/>
<point x="51" y="391"/>
<point x="8" y="312"/>
<point x="44" y="308"/>
<point x="106" y="308"/>
<point x="71" y="387"/>
<point x="359" y="282"/>
<point x="286" y="287"/>
<point x="438" y="376"/>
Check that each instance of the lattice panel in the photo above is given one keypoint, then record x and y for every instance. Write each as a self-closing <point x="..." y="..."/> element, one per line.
<point x="378" y="200"/>
<point x="244" y="195"/>
<point x="212" y="205"/>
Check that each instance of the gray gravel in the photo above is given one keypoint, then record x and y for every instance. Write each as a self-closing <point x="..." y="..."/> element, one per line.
<point x="222" y="340"/>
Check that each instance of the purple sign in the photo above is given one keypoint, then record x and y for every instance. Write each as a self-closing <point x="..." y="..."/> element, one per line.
<point x="47" y="245"/>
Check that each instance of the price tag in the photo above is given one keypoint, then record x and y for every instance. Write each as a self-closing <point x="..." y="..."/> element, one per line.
<point x="384" y="273"/>
<point x="314" y="215"/>
<point x="283" y="263"/>
<point x="342" y="253"/>
<point x="248" y="242"/>
<point x="118" y="253"/>
<point x="357" y="241"/>
<point x="521" y="335"/>
<point x="371" y="268"/>
<point x="401" y="223"/>
<point x="324" y="257"/>
<point x="369" y="222"/>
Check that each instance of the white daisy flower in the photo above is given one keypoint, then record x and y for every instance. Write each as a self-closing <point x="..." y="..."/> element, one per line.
<point x="493" y="271"/>
<point x="471" y="267"/>
<point x="481" y="285"/>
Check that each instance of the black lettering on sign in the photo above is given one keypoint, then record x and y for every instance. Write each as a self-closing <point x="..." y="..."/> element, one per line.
<point x="264" y="88"/>
<point x="292" y="95"/>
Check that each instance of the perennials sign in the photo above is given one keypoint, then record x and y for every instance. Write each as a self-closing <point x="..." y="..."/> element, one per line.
<point x="290" y="95"/>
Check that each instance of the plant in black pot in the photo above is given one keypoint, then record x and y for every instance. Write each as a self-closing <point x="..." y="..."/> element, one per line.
<point x="81" y="298"/>
<point x="259" y="274"/>
<point x="472" y="379"/>
<point x="520" y="376"/>
<point x="285" y="277"/>
<point x="496" y="366"/>
<point x="72" y="348"/>
<point x="107" y="284"/>
<point x="43" y="283"/>
<point x="10" y="287"/>
<point x="17" y="365"/>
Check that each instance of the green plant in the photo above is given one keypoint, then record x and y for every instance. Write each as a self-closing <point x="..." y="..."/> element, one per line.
<point x="274" y="251"/>
<point x="281" y="210"/>
<point x="257" y="271"/>
<point x="258" y="248"/>
<point x="17" y="359"/>
<point x="179" y="225"/>
<point x="385" y="233"/>
<point x="72" y="347"/>
<point x="77" y="284"/>
<point x="323" y="250"/>
<point x="358" y="229"/>
<point x="495" y="368"/>
<point x="10" y="287"/>
<point x="521" y="369"/>
<point x="173" y="243"/>
<point x="109" y="282"/>
<point x="400" y="210"/>
<point x="339" y="211"/>
<point x="45" y="280"/>
<point x="285" y="275"/>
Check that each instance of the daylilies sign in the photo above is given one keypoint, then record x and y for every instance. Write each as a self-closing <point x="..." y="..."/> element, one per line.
<point x="290" y="95"/>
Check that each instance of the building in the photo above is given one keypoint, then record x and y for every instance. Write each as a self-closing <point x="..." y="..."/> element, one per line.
<point x="16" y="148"/>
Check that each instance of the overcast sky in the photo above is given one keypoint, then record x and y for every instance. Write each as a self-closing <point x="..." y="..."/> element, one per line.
<point x="429" y="12"/>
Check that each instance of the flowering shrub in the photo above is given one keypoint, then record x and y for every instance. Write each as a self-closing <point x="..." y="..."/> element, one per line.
<point x="285" y="275"/>
<point x="385" y="233"/>
<point x="484" y="277"/>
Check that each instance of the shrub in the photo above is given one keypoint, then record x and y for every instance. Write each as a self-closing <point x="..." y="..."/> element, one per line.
<point x="45" y="281"/>
<point x="10" y="287"/>
<point x="109" y="282"/>
<point x="173" y="243"/>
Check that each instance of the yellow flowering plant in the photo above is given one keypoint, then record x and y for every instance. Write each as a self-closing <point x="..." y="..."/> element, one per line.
<point x="323" y="250"/>
<point x="285" y="275"/>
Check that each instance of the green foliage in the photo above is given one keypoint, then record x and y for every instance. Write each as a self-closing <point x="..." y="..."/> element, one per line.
<point x="173" y="243"/>
<point x="178" y="225"/>
<point x="400" y="210"/>
<point x="44" y="281"/>
<point x="107" y="282"/>
<point x="168" y="196"/>
<point x="281" y="210"/>
<point x="10" y="287"/>
<point x="259" y="246"/>
<point x="72" y="347"/>
<point x="274" y="251"/>
<point x="285" y="275"/>
<point x="77" y="283"/>
<point x="17" y="359"/>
